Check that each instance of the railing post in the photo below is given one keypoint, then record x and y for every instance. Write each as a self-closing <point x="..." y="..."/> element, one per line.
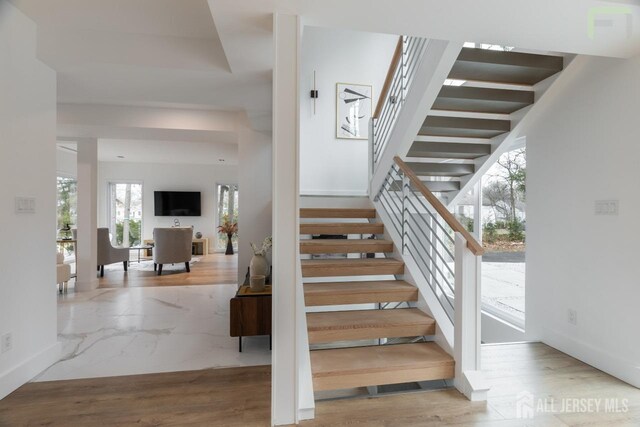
<point x="467" y="337"/>
<point x="405" y="59"/>
<point x="404" y="183"/>
<point x="372" y="142"/>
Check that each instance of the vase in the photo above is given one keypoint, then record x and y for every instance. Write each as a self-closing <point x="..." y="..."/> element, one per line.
<point x="259" y="266"/>
<point x="229" y="245"/>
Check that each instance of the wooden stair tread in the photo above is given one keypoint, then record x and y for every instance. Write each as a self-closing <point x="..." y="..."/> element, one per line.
<point x="337" y="213"/>
<point x="336" y="293"/>
<point x="351" y="267"/>
<point x="368" y="324"/>
<point x="350" y="261"/>
<point x="341" y="228"/>
<point x="325" y="246"/>
<point x="378" y="365"/>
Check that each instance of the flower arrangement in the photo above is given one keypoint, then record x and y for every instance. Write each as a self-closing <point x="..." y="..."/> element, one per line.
<point x="266" y="246"/>
<point x="229" y="228"/>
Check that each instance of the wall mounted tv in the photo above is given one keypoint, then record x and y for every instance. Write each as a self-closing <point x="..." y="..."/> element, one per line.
<point x="177" y="203"/>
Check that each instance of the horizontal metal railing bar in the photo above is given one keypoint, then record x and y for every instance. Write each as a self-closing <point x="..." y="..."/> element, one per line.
<point x="445" y="231"/>
<point x="432" y="276"/>
<point x="444" y="261"/>
<point x="435" y="263"/>
<point x="473" y="245"/>
<point x="397" y="226"/>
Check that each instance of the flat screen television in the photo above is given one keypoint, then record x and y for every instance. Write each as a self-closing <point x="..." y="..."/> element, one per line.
<point x="177" y="203"/>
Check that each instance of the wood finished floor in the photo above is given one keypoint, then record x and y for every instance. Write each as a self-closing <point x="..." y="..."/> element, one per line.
<point x="212" y="269"/>
<point x="241" y="397"/>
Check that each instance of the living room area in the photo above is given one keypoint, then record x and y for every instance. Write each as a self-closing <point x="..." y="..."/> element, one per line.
<point x="165" y="272"/>
<point x="140" y="201"/>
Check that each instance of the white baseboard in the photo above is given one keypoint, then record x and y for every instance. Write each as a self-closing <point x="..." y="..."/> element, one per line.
<point x="15" y="377"/>
<point x="618" y="367"/>
<point x="306" y="414"/>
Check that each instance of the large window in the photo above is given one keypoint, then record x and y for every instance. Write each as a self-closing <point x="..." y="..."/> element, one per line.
<point x="67" y="210"/>
<point x="67" y="201"/>
<point x="227" y="211"/>
<point x="125" y="213"/>
<point x="503" y="235"/>
<point x="497" y="207"/>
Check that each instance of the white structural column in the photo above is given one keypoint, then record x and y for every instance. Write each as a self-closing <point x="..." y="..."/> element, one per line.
<point x="284" y="373"/>
<point x="469" y="379"/>
<point x="87" y="248"/>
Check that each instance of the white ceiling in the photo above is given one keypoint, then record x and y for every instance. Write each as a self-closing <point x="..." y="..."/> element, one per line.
<point x="161" y="152"/>
<point x="151" y="54"/>
<point x="217" y="54"/>
<point x="167" y="152"/>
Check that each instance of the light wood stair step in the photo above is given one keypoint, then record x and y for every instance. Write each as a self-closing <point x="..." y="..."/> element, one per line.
<point x="331" y="326"/>
<point x="351" y="267"/>
<point x="345" y="246"/>
<point x="441" y="169"/>
<point x="463" y="127"/>
<point x="337" y="293"/>
<point x="504" y="67"/>
<point x="448" y="150"/>
<point x="341" y="228"/>
<point x="482" y="100"/>
<point x="337" y="213"/>
<point x="378" y="365"/>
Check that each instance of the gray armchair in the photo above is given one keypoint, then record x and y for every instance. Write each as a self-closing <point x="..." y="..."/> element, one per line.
<point x="107" y="254"/>
<point x="171" y="245"/>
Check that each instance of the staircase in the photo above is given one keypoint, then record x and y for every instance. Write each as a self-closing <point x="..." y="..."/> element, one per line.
<point x="349" y="340"/>
<point x="487" y="93"/>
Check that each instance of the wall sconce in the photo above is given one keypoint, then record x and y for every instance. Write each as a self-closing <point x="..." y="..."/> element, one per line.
<point x="314" y="93"/>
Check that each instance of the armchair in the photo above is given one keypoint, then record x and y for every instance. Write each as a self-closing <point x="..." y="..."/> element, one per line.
<point x="172" y="245"/>
<point x="107" y="254"/>
<point x="63" y="272"/>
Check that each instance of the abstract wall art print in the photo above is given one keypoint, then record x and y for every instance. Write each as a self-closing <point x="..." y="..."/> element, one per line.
<point x="353" y="110"/>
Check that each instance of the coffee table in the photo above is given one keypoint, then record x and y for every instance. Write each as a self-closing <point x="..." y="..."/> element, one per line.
<point x="140" y="248"/>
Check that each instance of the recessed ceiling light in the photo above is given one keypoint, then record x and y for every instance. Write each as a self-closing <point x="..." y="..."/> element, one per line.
<point x="121" y="157"/>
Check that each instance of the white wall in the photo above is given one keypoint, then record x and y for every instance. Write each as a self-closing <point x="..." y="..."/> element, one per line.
<point x="66" y="163"/>
<point x="254" y="193"/>
<point x="330" y="166"/>
<point x="584" y="148"/>
<point x="27" y="169"/>
<point x="164" y="177"/>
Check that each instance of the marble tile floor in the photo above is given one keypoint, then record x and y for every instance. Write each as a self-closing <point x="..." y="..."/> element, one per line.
<point x="112" y="332"/>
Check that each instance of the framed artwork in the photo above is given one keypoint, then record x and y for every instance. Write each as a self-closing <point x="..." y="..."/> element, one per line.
<point x="353" y="110"/>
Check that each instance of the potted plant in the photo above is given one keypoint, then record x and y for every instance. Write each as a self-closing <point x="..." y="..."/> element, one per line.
<point x="229" y="228"/>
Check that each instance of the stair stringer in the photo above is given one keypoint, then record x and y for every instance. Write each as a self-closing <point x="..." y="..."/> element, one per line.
<point x="436" y="63"/>
<point x="520" y="121"/>
<point x="428" y="301"/>
<point x="305" y="394"/>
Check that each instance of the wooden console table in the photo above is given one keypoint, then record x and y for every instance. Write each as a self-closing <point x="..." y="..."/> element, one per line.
<point x="200" y="246"/>
<point x="250" y="314"/>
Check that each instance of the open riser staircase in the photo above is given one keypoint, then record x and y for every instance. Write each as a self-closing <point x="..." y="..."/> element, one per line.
<point x="392" y="292"/>
<point x="475" y="117"/>
<point x="351" y="337"/>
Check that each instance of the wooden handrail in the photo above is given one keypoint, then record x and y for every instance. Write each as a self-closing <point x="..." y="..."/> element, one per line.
<point x="395" y="61"/>
<point x="473" y="245"/>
